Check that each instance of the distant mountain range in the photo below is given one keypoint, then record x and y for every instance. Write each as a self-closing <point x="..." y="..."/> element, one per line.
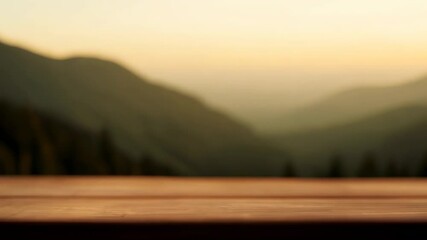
<point x="143" y="119"/>
<point x="398" y="135"/>
<point x="386" y="124"/>
<point x="352" y="105"/>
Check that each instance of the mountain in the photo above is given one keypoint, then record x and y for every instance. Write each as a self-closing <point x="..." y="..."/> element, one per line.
<point x="351" y="105"/>
<point x="32" y="143"/>
<point x="142" y="118"/>
<point x="397" y="136"/>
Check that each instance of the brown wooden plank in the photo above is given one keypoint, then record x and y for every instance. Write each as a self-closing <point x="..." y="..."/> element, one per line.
<point x="210" y="200"/>
<point x="210" y="187"/>
<point x="212" y="210"/>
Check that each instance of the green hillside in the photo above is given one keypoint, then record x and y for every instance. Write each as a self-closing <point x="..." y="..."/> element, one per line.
<point x="352" y="105"/>
<point x="142" y="118"/>
<point x="32" y="143"/>
<point x="396" y="136"/>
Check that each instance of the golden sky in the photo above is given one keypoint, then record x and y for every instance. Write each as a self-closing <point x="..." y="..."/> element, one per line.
<point x="222" y="48"/>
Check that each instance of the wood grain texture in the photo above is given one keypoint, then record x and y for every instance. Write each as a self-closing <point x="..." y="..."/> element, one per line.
<point x="213" y="210"/>
<point x="210" y="187"/>
<point x="211" y="207"/>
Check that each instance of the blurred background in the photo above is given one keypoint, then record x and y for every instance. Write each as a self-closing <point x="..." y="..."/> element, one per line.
<point x="267" y="88"/>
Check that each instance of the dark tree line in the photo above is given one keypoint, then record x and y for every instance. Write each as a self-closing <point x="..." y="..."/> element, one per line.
<point x="32" y="143"/>
<point x="369" y="167"/>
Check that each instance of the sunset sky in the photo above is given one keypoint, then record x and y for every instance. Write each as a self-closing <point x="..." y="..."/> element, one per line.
<point x="246" y="56"/>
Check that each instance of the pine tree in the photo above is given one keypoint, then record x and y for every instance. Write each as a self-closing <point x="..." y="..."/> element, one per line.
<point x="336" y="168"/>
<point x="47" y="153"/>
<point x="153" y="167"/>
<point x="391" y="169"/>
<point x="7" y="161"/>
<point x="404" y="171"/>
<point x="107" y="154"/>
<point x="135" y="167"/>
<point x="289" y="170"/>
<point x="423" y="167"/>
<point x="369" y="166"/>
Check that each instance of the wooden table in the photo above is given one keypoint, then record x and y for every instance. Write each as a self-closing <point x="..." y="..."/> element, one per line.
<point x="211" y="208"/>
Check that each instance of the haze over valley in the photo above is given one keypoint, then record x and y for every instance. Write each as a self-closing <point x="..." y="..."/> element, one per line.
<point x="214" y="88"/>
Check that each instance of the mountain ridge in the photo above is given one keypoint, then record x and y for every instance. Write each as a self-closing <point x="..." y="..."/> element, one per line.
<point x="353" y="104"/>
<point x="390" y="135"/>
<point x="142" y="117"/>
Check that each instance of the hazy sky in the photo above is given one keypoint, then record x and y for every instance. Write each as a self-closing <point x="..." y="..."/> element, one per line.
<point x="247" y="56"/>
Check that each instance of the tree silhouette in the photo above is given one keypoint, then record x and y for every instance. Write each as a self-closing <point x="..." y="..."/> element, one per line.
<point x="369" y="166"/>
<point x="336" y="168"/>
<point x="7" y="163"/>
<point x="110" y="158"/>
<point x="8" y="151"/>
<point x="154" y="167"/>
<point x="32" y="143"/>
<point x="404" y="171"/>
<point x="46" y="153"/>
<point x="392" y="169"/>
<point x="423" y="167"/>
<point x="289" y="170"/>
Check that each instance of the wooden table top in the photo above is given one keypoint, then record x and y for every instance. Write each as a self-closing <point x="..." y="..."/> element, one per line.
<point x="181" y="199"/>
<point x="138" y="200"/>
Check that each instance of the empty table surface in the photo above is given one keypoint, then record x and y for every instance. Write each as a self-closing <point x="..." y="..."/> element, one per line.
<point x="209" y="206"/>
